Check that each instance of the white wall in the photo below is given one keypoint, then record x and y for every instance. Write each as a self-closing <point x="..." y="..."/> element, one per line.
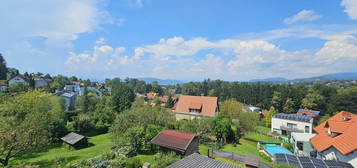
<point x="277" y="122"/>
<point x="17" y="80"/>
<point x="332" y="154"/>
<point x="39" y="83"/>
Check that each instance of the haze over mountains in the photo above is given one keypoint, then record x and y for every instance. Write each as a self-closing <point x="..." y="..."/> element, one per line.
<point x="332" y="76"/>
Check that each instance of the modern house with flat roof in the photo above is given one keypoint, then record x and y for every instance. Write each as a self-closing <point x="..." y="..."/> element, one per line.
<point x="190" y="107"/>
<point x="336" y="138"/>
<point x="301" y="143"/>
<point x="285" y="124"/>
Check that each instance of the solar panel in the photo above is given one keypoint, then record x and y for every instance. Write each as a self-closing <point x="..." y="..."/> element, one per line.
<point x="306" y="162"/>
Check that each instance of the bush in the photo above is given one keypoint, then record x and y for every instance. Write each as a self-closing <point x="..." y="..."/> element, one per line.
<point x="120" y="162"/>
<point x="134" y="163"/>
<point x="163" y="160"/>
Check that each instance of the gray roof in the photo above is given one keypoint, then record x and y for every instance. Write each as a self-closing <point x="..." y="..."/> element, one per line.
<point x="295" y="117"/>
<point x="198" y="161"/>
<point x="72" y="138"/>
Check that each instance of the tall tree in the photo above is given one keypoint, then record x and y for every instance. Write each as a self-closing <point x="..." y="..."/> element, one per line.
<point x="122" y="97"/>
<point x="276" y="101"/>
<point x="3" y="68"/>
<point x="269" y="116"/>
<point x="311" y="100"/>
<point x="289" y="106"/>
<point x="24" y="122"/>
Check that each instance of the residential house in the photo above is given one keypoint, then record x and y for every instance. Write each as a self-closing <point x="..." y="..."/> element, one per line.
<point x="252" y="108"/>
<point x="285" y="124"/>
<point x="19" y="79"/>
<point x="74" y="88"/>
<point x="75" y="141"/>
<point x="40" y="82"/>
<point x="312" y="113"/>
<point x="336" y="138"/>
<point x="190" y="107"/>
<point x="151" y="95"/>
<point x="301" y="143"/>
<point x="177" y="141"/>
<point x="3" y="87"/>
<point x="199" y="161"/>
<point x="69" y="100"/>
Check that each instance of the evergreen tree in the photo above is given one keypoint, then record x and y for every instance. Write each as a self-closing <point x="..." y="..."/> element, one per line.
<point x="3" y="68"/>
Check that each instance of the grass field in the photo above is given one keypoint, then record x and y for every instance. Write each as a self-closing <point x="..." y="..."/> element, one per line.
<point x="100" y="144"/>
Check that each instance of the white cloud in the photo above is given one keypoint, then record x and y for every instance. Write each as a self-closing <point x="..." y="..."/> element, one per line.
<point x="304" y="15"/>
<point x="350" y="8"/>
<point x="233" y="59"/>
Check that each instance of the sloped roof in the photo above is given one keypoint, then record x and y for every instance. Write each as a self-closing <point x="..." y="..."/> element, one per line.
<point x="72" y="138"/>
<point x="173" y="139"/>
<point x="311" y="113"/>
<point x="198" y="161"/>
<point x="151" y="95"/>
<point x="20" y="76"/>
<point x="345" y="142"/>
<point x="208" y="104"/>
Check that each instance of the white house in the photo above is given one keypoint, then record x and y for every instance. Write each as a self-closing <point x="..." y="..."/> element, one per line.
<point x="301" y="143"/>
<point x="3" y="87"/>
<point x="336" y="138"/>
<point x="285" y="124"/>
<point x="69" y="99"/>
<point x="18" y="79"/>
<point x="74" y="88"/>
<point x="40" y="82"/>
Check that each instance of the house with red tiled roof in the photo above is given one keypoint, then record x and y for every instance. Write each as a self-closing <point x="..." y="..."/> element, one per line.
<point x="19" y="79"/>
<point x="181" y="142"/>
<point x="311" y="113"/>
<point x="336" y="138"/>
<point x="190" y="107"/>
<point x="151" y="95"/>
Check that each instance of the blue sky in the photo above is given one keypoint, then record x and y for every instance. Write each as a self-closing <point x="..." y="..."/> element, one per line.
<point x="180" y="39"/>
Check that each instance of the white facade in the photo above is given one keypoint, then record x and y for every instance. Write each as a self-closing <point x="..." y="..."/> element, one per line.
<point x="40" y="82"/>
<point x="3" y="88"/>
<point x="17" y="79"/>
<point x="333" y="154"/>
<point x="301" y="143"/>
<point x="285" y="126"/>
<point x="74" y="88"/>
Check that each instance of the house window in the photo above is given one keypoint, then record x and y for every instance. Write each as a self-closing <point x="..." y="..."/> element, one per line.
<point x="194" y="110"/>
<point x="300" y="145"/>
<point x="291" y="125"/>
<point x="307" y="129"/>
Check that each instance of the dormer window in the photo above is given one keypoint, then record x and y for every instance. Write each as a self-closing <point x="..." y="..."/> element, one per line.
<point x="195" y="107"/>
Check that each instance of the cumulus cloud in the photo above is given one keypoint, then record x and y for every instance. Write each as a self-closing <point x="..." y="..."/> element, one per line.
<point x="350" y="8"/>
<point x="232" y="59"/>
<point x="304" y="15"/>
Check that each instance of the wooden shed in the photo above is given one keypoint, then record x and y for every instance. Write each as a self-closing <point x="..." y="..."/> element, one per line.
<point x="75" y="141"/>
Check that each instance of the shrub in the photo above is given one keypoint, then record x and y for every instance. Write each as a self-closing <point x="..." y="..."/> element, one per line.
<point x="134" y="163"/>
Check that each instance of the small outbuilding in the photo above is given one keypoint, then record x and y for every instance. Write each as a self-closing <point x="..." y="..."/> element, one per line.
<point x="177" y="141"/>
<point x="75" y="141"/>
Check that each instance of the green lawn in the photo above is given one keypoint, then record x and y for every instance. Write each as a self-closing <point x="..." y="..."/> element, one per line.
<point x="100" y="144"/>
<point x="150" y="158"/>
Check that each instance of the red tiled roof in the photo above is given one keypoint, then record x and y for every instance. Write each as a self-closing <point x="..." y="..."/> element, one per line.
<point x="173" y="139"/>
<point x="151" y="95"/>
<point x="310" y="113"/>
<point x="208" y="105"/>
<point x="346" y="140"/>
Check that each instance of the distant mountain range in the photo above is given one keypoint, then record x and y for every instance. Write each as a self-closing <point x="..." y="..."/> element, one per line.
<point x="333" y="76"/>
<point x="162" y="81"/>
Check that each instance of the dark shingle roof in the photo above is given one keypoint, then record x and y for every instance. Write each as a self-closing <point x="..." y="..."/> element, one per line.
<point x="173" y="139"/>
<point x="72" y="138"/>
<point x="198" y="161"/>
